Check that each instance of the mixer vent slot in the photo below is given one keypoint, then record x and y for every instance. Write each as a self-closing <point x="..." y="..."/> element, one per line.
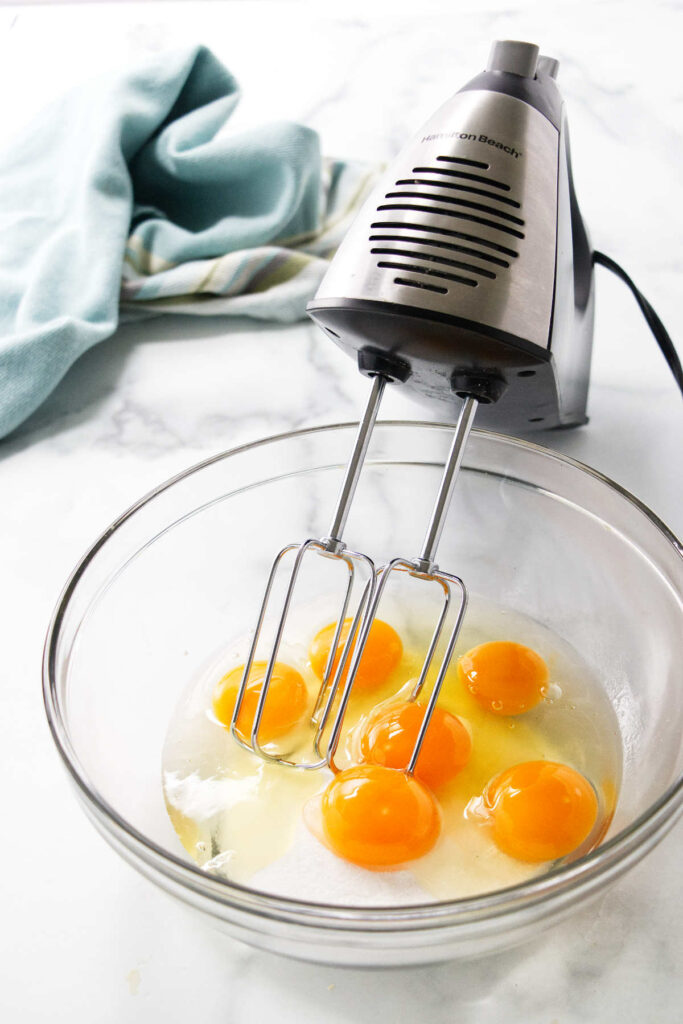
<point x="420" y="284"/>
<point x="463" y="160"/>
<point x="429" y="271"/>
<point x="439" y="260"/>
<point x="472" y="189"/>
<point x="483" y="179"/>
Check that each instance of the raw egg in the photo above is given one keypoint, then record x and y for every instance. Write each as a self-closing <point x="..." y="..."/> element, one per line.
<point x="540" y="810"/>
<point x="284" y="707"/>
<point x="382" y="654"/>
<point x="390" y="735"/>
<point x="378" y="817"/>
<point x="492" y="802"/>
<point x="505" y="678"/>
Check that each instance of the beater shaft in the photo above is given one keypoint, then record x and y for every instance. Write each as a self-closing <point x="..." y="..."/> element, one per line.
<point x="451" y="470"/>
<point x="356" y="461"/>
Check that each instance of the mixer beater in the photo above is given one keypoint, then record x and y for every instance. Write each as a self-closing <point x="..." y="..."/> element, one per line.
<point x="331" y="547"/>
<point x="423" y="567"/>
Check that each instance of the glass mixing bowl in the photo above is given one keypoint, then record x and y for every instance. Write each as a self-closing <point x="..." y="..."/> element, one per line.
<point x="183" y="570"/>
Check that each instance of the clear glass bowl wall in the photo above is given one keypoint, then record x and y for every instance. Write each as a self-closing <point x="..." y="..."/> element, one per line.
<point x="183" y="571"/>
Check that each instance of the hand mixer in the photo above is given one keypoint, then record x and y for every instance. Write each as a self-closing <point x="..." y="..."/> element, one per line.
<point x="467" y="280"/>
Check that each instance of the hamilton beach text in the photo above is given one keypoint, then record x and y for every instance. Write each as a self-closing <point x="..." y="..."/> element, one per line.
<point x="474" y="137"/>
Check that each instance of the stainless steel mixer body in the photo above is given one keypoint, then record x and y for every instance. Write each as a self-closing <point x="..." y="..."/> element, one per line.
<point x="467" y="280"/>
<point x="470" y="258"/>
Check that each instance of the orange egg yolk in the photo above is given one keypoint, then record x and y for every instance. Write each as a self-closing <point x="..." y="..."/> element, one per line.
<point x="540" y="810"/>
<point x="390" y="735"/>
<point x="284" y="707"/>
<point x="504" y="677"/>
<point x="378" y="817"/>
<point x="382" y="654"/>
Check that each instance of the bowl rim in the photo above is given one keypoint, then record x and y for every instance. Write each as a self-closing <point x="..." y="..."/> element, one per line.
<point x="621" y="848"/>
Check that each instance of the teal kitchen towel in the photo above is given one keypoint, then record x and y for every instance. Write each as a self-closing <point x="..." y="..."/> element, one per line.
<point x="130" y="191"/>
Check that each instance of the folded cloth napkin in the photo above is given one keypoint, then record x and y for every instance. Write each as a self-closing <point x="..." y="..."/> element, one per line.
<point x="129" y="189"/>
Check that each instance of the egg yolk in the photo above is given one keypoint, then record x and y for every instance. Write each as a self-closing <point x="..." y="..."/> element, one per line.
<point x="284" y="706"/>
<point x="540" y="810"/>
<point x="378" y="817"/>
<point x="390" y="735"/>
<point x="381" y="655"/>
<point x="504" y="677"/>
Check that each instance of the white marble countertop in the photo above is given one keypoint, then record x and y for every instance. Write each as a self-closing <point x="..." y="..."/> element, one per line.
<point x="83" y="938"/>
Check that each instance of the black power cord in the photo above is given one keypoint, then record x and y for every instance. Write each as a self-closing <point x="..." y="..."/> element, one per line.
<point x="654" y="323"/>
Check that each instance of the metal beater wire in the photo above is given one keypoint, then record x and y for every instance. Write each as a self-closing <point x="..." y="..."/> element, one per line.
<point x="423" y="567"/>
